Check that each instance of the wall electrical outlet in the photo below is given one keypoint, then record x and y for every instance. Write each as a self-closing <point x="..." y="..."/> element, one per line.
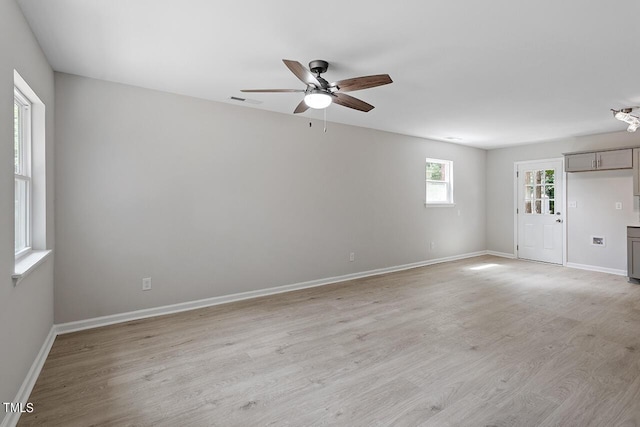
<point x="573" y="204"/>
<point x="352" y="256"/>
<point x="146" y="284"/>
<point x="619" y="205"/>
<point x="432" y="245"/>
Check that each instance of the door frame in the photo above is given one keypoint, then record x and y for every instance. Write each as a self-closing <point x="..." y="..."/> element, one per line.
<point x="563" y="204"/>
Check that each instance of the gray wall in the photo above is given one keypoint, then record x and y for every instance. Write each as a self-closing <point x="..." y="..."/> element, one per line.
<point x="211" y="199"/>
<point x="594" y="192"/>
<point x="26" y="311"/>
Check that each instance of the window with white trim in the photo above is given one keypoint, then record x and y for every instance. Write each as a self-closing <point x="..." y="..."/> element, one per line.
<point x="22" y="171"/>
<point x="30" y="194"/>
<point x="439" y="182"/>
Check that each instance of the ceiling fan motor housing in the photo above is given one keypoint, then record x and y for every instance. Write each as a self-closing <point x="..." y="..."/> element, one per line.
<point x="318" y="66"/>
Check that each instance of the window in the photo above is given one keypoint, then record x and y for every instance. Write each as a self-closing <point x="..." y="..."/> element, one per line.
<point x="30" y="198"/>
<point x="539" y="192"/>
<point x="439" y="177"/>
<point x="22" y="171"/>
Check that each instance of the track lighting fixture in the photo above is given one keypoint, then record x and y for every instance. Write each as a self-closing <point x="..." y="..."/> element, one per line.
<point x="624" y="115"/>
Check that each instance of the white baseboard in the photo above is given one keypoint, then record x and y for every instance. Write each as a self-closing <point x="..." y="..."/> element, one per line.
<point x="596" y="268"/>
<point x="501" y="254"/>
<point x="11" y="418"/>
<point x="96" y="322"/>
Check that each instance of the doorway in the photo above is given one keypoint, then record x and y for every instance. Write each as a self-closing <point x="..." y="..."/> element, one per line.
<point x="540" y="210"/>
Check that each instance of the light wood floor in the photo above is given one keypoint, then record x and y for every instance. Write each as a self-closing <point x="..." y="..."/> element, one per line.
<point x="512" y="344"/>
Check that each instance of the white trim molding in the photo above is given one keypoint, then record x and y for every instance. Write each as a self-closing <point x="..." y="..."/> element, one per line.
<point x="501" y="254"/>
<point x="439" y="205"/>
<point x="11" y="418"/>
<point x="27" y="264"/>
<point x="596" y="268"/>
<point x="97" y="322"/>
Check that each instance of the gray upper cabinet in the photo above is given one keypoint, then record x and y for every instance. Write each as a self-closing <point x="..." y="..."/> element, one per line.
<point x="580" y="162"/>
<point x="615" y="159"/>
<point x="599" y="160"/>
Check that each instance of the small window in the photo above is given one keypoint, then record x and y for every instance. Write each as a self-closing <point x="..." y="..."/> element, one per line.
<point x="539" y="192"/>
<point x="22" y="171"/>
<point x="439" y="177"/>
<point x="29" y="196"/>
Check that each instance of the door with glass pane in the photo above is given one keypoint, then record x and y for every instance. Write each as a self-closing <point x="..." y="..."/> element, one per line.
<point x="540" y="211"/>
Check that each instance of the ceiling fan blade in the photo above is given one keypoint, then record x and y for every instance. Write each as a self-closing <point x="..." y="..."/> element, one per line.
<point x="302" y="73"/>
<point x="351" y="102"/>
<point x="271" y="90"/>
<point x="366" y="82"/>
<point x="301" y="108"/>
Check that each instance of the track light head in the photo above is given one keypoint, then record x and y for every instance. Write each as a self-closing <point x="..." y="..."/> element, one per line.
<point x="624" y="115"/>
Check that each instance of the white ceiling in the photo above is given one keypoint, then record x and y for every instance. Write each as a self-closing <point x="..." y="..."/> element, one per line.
<point x="492" y="73"/>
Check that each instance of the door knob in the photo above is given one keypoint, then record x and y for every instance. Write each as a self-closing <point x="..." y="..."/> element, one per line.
<point x="558" y="220"/>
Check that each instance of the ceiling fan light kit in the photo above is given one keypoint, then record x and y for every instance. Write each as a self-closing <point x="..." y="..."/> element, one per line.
<point x="319" y="93"/>
<point x="317" y="99"/>
<point x="624" y="115"/>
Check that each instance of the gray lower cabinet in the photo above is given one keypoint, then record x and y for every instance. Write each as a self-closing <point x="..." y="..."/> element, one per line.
<point x="633" y="252"/>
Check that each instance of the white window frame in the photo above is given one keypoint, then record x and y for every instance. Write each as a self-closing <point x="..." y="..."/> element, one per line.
<point x="448" y="164"/>
<point x="24" y="173"/>
<point x="35" y="174"/>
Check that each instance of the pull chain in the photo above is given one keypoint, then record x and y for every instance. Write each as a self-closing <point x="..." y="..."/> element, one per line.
<point x="325" y="120"/>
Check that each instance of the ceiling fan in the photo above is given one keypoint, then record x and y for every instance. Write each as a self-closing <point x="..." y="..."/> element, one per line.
<point x="320" y="93"/>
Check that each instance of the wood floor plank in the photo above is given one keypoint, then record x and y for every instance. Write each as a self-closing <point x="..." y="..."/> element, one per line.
<point x="482" y="341"/>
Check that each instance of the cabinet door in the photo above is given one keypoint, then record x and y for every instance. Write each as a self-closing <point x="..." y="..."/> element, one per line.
<point x="580" y="162"/>
<point x="633" y="258"/>
<point x="616" y="159"/>
<point x="636" y="171"/>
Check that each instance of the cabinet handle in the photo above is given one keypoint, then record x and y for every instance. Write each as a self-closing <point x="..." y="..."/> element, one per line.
<point x="598" y="164"/>
<point x="593" y="164"/>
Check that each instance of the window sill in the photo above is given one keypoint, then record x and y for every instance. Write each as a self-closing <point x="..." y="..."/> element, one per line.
<point x="439" y="205"/>
<point x="27" y="264"/>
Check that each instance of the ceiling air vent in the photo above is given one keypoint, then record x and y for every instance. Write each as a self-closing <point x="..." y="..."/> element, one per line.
<point x="247" y="100"/>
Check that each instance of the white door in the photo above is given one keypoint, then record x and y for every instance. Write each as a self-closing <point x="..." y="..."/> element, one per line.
<point x="540" y="211"/>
